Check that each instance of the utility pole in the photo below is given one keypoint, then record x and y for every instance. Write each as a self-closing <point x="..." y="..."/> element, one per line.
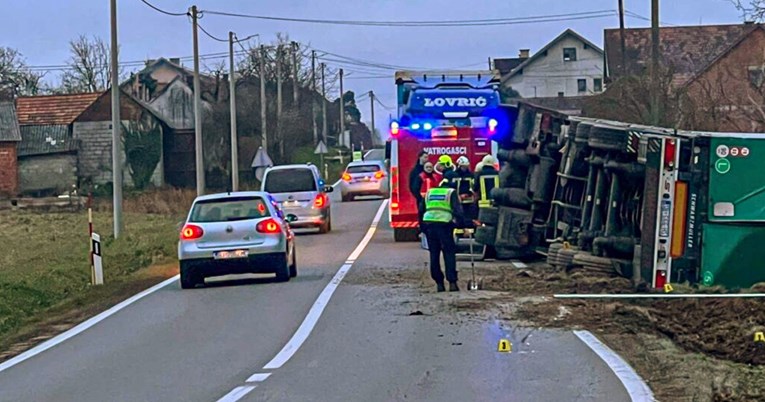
<point x="490" y="64"/>
<point x="232" y="103"/>
<point x="372" y="104"/>
<point x="655" y="97"/>
<point x="279" y="100"/>
<point x="623" y="40"/>
<point x="294" y="76"/>
<point x="342" y="109"/>
<point x="116" y="126"/>
<point x="263" y="126"/>
<point x="197" y="108"/>
<point x="323" y="107"/>
<point x="313" y="97"/>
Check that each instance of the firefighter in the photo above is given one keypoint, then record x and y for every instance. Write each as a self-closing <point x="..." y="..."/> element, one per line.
<point x="486" y="179"/>
<point x="463" y="183"/>
<point x="415" y="184"/>
<point x="443" y="213"/>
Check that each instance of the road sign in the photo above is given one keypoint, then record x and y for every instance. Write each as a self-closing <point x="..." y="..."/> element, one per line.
<point x="261" y="162"/>
<point x="321" y="148"/>
<point x="722" y="166"/>
<point x="98" y="269"/>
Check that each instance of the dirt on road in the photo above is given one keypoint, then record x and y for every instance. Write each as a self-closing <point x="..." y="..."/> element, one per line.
<point x="685" y="349"/>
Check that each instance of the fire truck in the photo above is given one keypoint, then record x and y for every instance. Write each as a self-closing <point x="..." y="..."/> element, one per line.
<point x="442" y="113"/>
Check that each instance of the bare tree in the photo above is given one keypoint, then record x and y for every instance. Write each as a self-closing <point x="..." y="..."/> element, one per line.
<point x="89" y="69"/>
<point x="751" y="10"/>
<point x="16" y="79"/>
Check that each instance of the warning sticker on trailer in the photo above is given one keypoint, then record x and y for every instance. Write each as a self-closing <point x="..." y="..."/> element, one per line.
<point x="722" y="151"/>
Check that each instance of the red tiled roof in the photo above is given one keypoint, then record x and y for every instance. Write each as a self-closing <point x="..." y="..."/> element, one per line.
<point x="53" y="109"/>
<point x="686" y="50"/>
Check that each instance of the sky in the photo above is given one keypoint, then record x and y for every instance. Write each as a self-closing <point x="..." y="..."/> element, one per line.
<point x="41" y="29"/>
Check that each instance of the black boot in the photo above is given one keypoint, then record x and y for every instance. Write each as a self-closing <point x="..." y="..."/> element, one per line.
<point x="453" y="287"/>
<point x="440" y="287"/>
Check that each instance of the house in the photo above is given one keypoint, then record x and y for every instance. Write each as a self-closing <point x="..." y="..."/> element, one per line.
<point x="715" y="71"/>
<point x="48" y="151"/>
<point x="506" y="65"/>
<point x="9" y="140"/>
<point x="569" y="65"/>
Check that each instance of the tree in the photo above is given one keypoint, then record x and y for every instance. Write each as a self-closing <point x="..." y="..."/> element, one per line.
<point x="16" y="79"/>
<point x="751" y="10"/>
<point x="143" y="149"/>
<point x="88" y="66"/>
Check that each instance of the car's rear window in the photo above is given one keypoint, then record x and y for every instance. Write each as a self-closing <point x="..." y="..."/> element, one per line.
<point x="363" y="169"/>
<point x="290" y="181"/>
<point x="229" y="209"/>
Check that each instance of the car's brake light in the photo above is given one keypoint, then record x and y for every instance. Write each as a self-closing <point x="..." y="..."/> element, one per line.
<point x="346" y="177"/>
<point x="319" y="201"/>
<point x="268" y="226"/>
<point x="379" y="175"/>
<point x="191" y="232"/>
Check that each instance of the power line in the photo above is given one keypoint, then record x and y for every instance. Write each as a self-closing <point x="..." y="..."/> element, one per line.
<point x="163" y="11"/>
<point x="211" y="36"/>
<point x="441" y="23"/>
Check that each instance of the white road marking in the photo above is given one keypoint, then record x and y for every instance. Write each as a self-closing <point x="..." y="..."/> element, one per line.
<point x="237" y="393"/>
<point x="258" y="377"/>
<point x="320" y="304"/>
<point x="637" y="389"/>
<point x="518" y="264"/>
<point x="83" y="326"/>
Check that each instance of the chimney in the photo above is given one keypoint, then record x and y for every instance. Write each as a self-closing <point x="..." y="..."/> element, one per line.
<point x="524" y="53"/>
<point x="175" y="60"/>
<point x="748" y="22"/>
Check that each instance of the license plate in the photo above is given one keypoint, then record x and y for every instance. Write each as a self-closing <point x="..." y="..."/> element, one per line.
<point x="291" y="203"/>
<point x="367" y="178"/>
<point x="225" y="255"/>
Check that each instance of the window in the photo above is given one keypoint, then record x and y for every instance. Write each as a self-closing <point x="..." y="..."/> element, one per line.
<point x="229" y="209"/>
<point x="569" y="54"/>
<point x="756" y="76"/>
<point x="598" y="84"/>
<point x="290" y="181"/>
<point x="363" y="169"/>
<point x="560" y="94"/>
<point x="581" y="85"/>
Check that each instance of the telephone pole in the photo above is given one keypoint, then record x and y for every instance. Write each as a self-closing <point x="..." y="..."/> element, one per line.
<point x="655" y="97"/>
<point x="263" y="127"/>
<point x="342" y="109"/>
<point x="294" y="75"/>
<point x="197" y="108"/>
<point x="323" y="106"/>
<point x="232" y="103"/>
<point x="279" y="99"/>
<point x="623" y="40"/>
<point x="313" y="98"/>
<point x="116" y="126"/>
<point x="372" y="105"/>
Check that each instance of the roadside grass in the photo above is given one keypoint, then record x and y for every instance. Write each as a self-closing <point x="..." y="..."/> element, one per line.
<point x="45" y="268"/>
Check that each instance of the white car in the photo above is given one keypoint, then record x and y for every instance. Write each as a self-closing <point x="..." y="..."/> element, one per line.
<point x="363" y="178"/>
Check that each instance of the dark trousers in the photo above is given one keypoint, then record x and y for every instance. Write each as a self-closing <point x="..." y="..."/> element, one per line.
<point x="470" y="210"/>
<point x="441" y="239"/>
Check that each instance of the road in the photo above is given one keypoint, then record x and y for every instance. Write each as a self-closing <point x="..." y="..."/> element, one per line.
<point x="204" y="344"/>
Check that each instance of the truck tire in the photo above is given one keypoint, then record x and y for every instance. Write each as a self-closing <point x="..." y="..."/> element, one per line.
<point x="512" y="177"/>
<point x="515" y="157"/>
<point x="405" y="235"/>
<point x="511" y="197"/>
<point x="607" y="138"/>
<point x="552" y="254"/>
<point x="544" y="185"/>
<point x="488" y="216"/>
<point x="593" y="263"/>
<point x="486" y="235"/>
<point x="582" y="132"/>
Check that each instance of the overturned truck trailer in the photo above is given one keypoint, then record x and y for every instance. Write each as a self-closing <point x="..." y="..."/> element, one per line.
<point x="652" y="204"/>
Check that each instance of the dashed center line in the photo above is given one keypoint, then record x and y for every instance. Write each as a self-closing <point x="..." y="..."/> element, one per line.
<point x="258" y="377"/>
<point x="237" y="393"/>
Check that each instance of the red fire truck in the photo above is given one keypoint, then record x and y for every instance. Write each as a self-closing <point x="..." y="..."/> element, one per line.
<point x="442" y="113"/>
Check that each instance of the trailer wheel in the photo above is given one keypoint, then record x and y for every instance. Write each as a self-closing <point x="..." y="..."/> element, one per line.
<point x="512" y="177"/>
<point x="593" y="263"/>
<point x="606" y="138"/>
<point x="511" y="197"/>
<point x="552" y="254"/>
<point x="488" y="216"/>
<point x="582" y="132"/>
<point x="515" y="157"/>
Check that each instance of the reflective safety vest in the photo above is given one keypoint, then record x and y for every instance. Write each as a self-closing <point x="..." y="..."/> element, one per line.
<point x="484" y="182"/>
<point x="438" y="206"/>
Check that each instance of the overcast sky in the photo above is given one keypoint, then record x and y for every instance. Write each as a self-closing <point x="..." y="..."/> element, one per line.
<point x="40" y="29"/>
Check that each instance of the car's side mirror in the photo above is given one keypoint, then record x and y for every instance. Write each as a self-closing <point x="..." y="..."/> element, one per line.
<point x="291" y="218"/>
<point x="329" y="189"/>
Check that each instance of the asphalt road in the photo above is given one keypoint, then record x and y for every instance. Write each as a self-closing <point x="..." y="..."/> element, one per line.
<point x="204" y="344"/>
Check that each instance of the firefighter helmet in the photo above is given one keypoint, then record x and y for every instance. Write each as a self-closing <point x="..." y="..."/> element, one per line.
<point x="445" y="160"/>
<point x="488" y="160"/>
<point x="463" y="161"/>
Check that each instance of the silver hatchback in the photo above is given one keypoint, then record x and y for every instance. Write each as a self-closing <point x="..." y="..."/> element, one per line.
<point x="236" y="233"/>
<point x="364" y="178"/>
<point x="300" y="191"/>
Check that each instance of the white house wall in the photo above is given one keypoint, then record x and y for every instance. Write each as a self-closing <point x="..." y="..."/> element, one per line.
<point x="549" y="75"/>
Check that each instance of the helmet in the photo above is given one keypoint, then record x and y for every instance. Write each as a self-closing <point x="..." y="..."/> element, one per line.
<point x="479" y="166"/>
<point x="488" y="160"/>
<point x="445" y="160"/>
<point x="463" y="161"/>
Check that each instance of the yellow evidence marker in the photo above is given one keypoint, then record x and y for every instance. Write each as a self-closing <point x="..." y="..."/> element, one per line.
<point x="505" y="346"/>
<point x="668" y="288"/>
<point x="759" y="337"/>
